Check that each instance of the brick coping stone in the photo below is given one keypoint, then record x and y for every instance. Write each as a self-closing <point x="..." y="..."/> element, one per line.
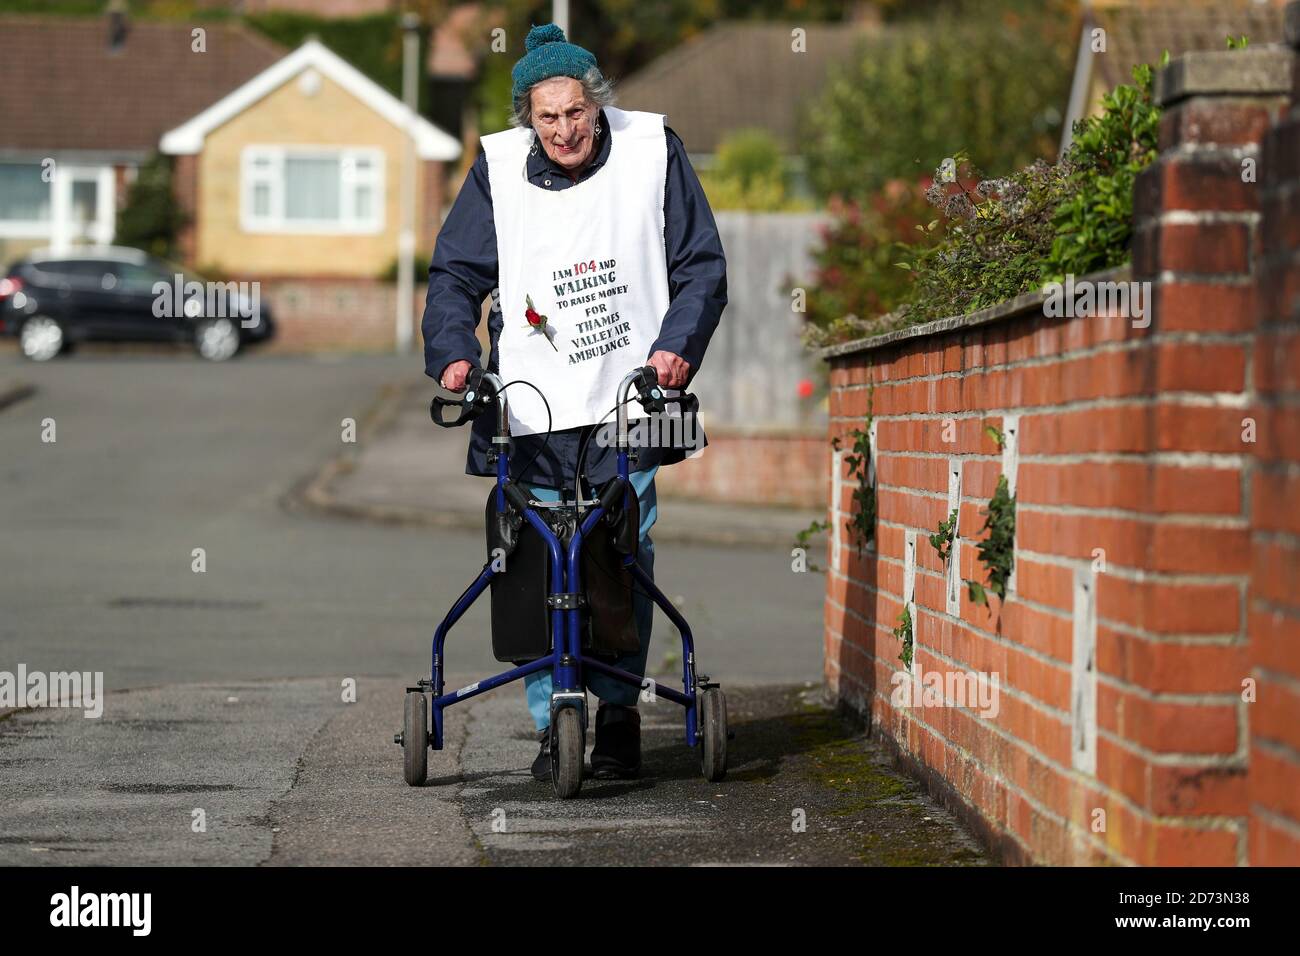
<point x="1021" y="305"/>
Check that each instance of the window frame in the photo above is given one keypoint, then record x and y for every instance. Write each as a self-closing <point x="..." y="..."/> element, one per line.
<point x="272" y="175"/>
<point x="30" y="228"/>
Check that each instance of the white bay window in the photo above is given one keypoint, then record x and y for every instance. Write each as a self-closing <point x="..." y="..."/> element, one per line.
<point x="312" y="189"/>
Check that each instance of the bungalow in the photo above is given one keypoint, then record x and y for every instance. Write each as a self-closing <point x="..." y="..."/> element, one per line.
<point x="296" y="171"/>
<point x="752" y="80"/>
<point x="85" y="102"/>
<point x="285" y="163"/>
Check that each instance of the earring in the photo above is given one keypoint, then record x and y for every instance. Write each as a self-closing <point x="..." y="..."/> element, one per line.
<point x="597" y="127"/>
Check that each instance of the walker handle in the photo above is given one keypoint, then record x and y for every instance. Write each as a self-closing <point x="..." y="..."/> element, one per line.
<point x="452" y="409"/>
<point x="653" y="399"/>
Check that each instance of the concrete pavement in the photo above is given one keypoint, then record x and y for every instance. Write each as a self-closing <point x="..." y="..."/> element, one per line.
<point x="286" y="773"/>
<point x="225" y="683"/>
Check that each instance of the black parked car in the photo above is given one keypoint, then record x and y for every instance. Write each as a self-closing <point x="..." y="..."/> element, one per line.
<point x="125" y="295"/>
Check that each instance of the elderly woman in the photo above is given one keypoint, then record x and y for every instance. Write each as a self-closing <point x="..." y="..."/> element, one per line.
<point x="588" y="226"/>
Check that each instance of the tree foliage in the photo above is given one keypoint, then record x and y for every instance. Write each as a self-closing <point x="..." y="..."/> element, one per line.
<point x="151" y="217"/>
<point x="996" y="85"/>
<point x="1007" y="236"/>
<point x="749" y="173"/>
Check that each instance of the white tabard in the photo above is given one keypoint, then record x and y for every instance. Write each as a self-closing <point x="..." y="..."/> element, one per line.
<point x="592" y="258"/>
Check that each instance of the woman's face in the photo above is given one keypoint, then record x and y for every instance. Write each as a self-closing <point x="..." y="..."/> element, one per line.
<point x="564" y="120"/>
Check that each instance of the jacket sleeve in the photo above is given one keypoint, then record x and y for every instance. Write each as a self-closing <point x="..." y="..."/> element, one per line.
<point x="462" y="273"/>
<point x="697" y="267"/>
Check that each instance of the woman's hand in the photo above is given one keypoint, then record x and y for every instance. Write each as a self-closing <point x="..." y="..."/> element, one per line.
<point x="673" y="370"/>
<point x="453" y="376"/>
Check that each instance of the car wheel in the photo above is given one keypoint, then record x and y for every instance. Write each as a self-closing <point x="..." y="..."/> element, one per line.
<point x="216" y="339"/>
<point x="41" y="338"/>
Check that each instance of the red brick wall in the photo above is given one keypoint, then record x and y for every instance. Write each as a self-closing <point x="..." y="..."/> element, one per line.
<point x="768" y="469"/>
<point x="1134" y="448"/>
<point x="1274" y="596"/>
<point x="313" y="314"/>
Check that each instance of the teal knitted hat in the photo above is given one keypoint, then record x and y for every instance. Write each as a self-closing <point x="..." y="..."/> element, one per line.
<point x="548" y="54"/>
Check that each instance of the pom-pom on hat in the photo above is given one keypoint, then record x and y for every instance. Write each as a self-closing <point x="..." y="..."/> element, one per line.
<point x="548" y="54"/>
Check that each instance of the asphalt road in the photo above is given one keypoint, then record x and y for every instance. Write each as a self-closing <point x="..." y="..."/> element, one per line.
<point x="155" y="457"/>
<point x="227" y="683"/>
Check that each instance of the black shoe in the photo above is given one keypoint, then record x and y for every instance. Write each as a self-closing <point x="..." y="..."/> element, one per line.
<point x="542" y="765"/>
<point x="617" y="753"/>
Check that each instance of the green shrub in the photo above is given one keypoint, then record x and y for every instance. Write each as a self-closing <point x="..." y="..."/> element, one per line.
<point x="1004" y="237"/>
<point x="749" y="174"/>
<point x="151" y="217"/>
<point x="373" y="44"/>
<point x="1094" y="221"/>
<point x="998" y="233"/>
<point x="419" y="269"/>
<point x="994" y="84"/>
<point x="855" y="279"/>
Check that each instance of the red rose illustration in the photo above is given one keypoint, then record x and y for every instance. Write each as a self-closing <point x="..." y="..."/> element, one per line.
<point x="538" y="322"/>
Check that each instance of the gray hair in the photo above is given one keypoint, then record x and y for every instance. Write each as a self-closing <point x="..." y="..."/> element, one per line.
<point x="598" y="88"/>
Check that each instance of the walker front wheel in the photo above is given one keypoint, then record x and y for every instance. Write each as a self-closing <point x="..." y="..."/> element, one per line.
<point x="415" y="739"/>
<point x="566" y="753"/>
<point x="712" y="710"/>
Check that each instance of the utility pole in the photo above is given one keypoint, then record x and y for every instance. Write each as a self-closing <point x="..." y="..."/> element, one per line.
<point x="560" y="15"/>
<point x="406" y="231"/>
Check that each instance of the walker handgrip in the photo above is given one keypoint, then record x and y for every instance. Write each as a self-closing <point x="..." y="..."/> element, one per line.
<point x="453" y="409"/>
<point x="613" y="493"/>
<point x="516" y="495"/>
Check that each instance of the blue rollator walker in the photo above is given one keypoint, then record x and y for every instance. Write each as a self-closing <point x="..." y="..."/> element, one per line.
<point x="555" y="597"/>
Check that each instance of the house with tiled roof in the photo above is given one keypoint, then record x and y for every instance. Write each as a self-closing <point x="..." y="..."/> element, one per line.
<point x="283" y="163"/>
<point x="86" y="101"/>
<point x="1117" y="34"/>
<point x="757" y="74"/>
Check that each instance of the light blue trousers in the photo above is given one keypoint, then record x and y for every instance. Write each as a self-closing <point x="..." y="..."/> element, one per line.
<point x="537" y="686"/>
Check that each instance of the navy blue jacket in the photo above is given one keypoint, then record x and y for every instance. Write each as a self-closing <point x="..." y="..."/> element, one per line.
<point x="463" y="273"/>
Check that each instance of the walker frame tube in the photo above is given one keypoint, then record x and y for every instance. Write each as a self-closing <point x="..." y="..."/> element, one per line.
<point x="565" y="661"/>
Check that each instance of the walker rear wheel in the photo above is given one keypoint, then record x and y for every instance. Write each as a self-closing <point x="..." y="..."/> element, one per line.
<point x="415" y="739"/>
<point x="566" y="753"/>
<point x="712" y="709"/>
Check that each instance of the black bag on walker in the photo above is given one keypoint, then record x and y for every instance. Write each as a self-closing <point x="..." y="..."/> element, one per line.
<point x="520" y="617"/>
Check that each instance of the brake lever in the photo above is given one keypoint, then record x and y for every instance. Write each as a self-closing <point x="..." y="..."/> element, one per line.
<point x="653" y="399"/>
<point x="648" y="392"/>
<point x="467" y="403"/>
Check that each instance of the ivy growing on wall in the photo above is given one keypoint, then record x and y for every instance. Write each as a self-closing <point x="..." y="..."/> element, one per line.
<point x="904" y="633"/>
<point x="803" y="538"/>
<point x="941" y="540"/>
<point x="862" y="522"/>
<point x="997" y="551"/>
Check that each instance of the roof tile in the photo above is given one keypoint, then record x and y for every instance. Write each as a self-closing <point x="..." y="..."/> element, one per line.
<point x="62" y="87"/>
